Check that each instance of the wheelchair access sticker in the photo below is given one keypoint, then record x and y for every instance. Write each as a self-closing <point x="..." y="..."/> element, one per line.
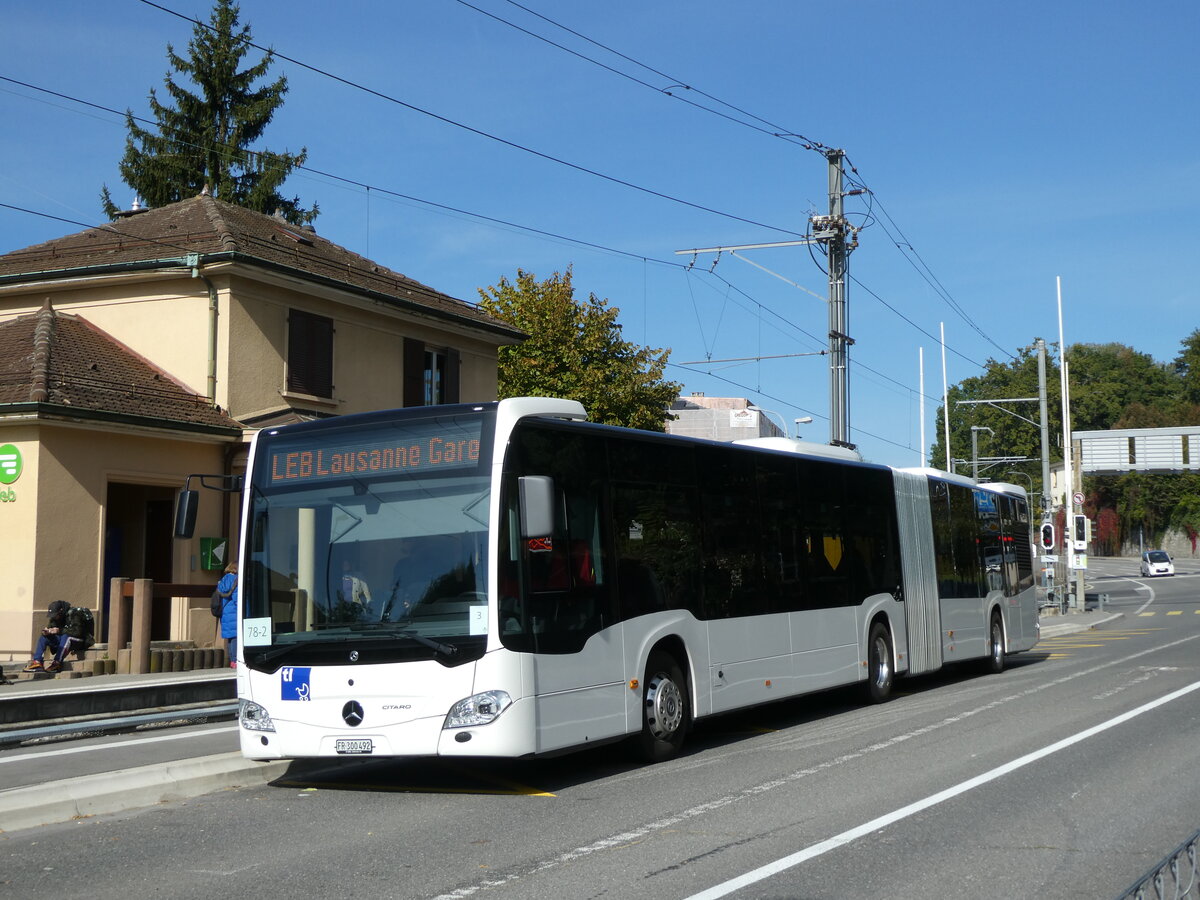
<point x="293" y="680"/>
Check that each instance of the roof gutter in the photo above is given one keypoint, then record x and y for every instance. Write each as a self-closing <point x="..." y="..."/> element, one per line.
<point x="56" y="411"/>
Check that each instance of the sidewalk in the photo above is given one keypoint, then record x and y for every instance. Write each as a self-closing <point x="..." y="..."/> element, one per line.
<point x="49" y="702"/>
<point x="1054" y="624"/>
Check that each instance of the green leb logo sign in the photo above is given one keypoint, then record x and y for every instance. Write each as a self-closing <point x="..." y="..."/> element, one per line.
<point x="10" y="464"/>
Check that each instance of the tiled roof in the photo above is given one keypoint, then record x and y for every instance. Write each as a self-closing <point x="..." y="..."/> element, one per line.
<point x="215" y="229"/>
<point x="68" y="366"/>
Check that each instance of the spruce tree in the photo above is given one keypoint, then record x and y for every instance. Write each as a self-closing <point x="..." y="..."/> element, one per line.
<point x="203" y="139"/>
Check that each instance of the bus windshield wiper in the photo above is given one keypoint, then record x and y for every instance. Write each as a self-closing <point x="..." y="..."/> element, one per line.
<point x="446" y="650"/>
<point x="277" y="652"/>
<point x="436" y="646"/>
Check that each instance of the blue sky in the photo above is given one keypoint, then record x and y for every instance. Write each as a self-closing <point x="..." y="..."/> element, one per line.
<point x="1005" y="144"/>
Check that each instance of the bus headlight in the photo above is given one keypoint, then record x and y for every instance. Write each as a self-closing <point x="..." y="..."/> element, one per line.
<point x="254" y="717"/>
<point x="479" y="709"/>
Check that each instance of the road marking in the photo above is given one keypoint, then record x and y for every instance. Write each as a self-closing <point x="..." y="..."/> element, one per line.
<point x="846" y="837"/>
<point x="118" y="745"/>
<point x="1146" y="615"/>
<point x="376" y="788"/>
<point x="674" y="820"/>
<point x="1175" y="612"/>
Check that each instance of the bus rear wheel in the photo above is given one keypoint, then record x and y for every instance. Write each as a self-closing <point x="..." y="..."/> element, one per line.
<point x="995" y="657"/>
<point x="665" y="710"/>
<point x="880" y="673"/>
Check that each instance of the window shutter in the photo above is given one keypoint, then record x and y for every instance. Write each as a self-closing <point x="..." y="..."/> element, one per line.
<point x="450" y="377"/>
<point x="414" y="372"/>
<point x="310" y="354"/>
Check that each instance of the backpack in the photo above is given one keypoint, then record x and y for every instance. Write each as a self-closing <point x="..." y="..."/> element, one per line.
<point x="217" y="606"/>
<point x="82" y="626"/>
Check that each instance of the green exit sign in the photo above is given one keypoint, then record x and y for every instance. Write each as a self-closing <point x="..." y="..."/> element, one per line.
<point x="214" y="553"/>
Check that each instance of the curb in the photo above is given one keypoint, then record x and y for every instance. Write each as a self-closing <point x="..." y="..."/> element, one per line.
<point x="1069" y="627"/>
<point x="76" y="798"/>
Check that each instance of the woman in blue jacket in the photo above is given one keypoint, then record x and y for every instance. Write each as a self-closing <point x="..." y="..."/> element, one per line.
<point x="228" y="588"/>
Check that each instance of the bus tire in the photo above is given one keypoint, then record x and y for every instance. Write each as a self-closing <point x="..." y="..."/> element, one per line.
<point x="666" y="712"/>
<point x="995" y="650"/>
<point x="881" y="674"/>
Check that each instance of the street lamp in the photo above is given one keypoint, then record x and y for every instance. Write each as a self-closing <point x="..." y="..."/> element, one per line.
<point x="803" y="420"/>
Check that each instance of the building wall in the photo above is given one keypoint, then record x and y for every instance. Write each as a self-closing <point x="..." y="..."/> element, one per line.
<point x="56" y="526"/>
<point x="368" y="350"/>
<point x="720" y="419"/>
<point x="58" y="519"/>
<point x="165" y="318"/>
<point x="18" y="523"/>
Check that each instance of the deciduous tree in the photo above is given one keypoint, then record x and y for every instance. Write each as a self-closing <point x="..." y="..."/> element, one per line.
<point x="575" y="350"/>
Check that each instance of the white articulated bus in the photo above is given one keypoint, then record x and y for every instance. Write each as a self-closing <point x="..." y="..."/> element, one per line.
<point x="506" y="579"/>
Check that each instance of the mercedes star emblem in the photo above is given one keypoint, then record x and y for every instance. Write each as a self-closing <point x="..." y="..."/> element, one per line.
<point x="352" y="713"/>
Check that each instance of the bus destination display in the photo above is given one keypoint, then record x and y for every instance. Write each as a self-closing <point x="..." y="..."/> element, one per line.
<point x="415" y="448"/>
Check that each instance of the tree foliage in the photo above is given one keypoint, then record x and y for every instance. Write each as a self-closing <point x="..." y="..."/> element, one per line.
<point x="575" y="350"/>
<point x="203" y="139"/>
<point x="1111" y="386"/>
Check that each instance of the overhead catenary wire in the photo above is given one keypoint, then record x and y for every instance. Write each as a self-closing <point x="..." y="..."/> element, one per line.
<point x="902" y="243"/>
<point x="772" y="131"/>
<point x="481" y="133"/>
<point x="804" y="141"/>
<point x="744" y="387"/>
<point x="757" y="308"/>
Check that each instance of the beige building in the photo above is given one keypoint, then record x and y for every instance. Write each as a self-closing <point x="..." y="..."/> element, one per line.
<point x="720" y="419"/>
<point x="139" y="353"/>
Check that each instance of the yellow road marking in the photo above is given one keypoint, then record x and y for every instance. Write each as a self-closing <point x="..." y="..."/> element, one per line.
<point x="412" y="789"/>
<point x="514" y="787"/>
<point x="1175" y="612"/>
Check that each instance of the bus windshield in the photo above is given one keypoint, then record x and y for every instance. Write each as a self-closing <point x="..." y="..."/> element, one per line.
<point x="371" y="539"/>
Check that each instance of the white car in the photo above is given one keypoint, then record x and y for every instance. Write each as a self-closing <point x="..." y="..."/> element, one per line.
<point x="1157" y="562"/>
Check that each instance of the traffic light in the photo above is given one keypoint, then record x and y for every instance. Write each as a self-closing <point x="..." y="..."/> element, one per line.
<point x="1047" y="536"/>
<point x="1081" y="531"/>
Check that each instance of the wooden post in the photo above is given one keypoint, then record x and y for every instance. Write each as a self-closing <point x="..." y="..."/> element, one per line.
<point x="143" y="603"/>
<point x="118" y="616"/>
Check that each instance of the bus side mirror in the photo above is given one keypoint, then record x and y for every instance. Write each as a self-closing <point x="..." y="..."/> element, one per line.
<point x="185" y="513"/>
<point x="536" y="494"/>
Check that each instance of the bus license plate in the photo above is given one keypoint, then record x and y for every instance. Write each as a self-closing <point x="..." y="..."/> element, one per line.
<point x="353" y="745"/>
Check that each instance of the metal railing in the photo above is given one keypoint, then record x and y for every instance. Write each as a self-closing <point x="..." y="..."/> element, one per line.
<point x="1174" y="877"/>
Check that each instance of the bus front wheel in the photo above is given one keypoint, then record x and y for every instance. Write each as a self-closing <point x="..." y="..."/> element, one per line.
<point x="880" y="673"/>
<point x="665" y="712"/>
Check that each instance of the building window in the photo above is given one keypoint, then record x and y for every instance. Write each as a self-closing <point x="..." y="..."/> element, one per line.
<point x="435" y="380"/>
<point x="310" y="354"/>
<point x="430" y="374"/>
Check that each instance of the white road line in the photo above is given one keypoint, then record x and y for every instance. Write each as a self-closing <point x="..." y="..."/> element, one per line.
<point x="118" y="745"/>
<point x="846" y="837"/>
<point x="691" y="764"/>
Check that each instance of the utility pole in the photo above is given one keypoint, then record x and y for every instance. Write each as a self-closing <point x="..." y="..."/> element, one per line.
<point x="839" y="238"/>
<point x="975" y="429"/>
<point x="1042" y="403"/>
<point x="832" y="231"/>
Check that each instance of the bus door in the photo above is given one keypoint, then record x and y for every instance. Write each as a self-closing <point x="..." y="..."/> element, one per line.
<point x="556" y="604"/>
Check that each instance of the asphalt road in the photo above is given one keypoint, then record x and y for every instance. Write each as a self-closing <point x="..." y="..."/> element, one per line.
<point x="1068" y="775"/>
